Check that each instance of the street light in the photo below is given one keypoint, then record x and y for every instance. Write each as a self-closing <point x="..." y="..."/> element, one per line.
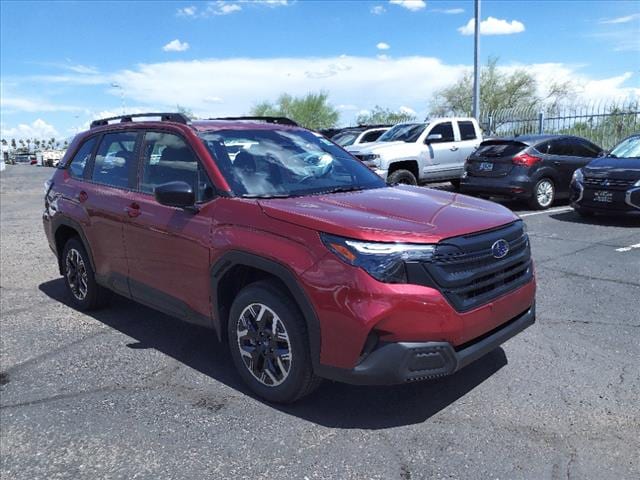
<point x="476" y="60"/>
<point x="119" y="87"/>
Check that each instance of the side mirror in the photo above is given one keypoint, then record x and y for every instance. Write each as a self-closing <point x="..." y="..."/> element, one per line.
<point x="603" y="153"/>
<point x="434" y="137"/>
<point x="175" y="194"/>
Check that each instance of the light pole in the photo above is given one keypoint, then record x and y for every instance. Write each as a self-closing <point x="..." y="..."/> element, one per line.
<point x="476" y="60"/>
<point x="119" y="87"/>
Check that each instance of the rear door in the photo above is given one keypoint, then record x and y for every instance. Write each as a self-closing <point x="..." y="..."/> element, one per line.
<point x="493" y="158"/>
<point x="105" y="196"/>
<point x="469" y="139"/>
<point x="443" y="152"/>
<point x="168" y="247"/>
<point x="566" y="155"/>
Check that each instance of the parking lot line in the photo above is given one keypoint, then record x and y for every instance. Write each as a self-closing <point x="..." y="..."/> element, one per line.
<point x="626" y="249"/>
<point x="553" y="210"/>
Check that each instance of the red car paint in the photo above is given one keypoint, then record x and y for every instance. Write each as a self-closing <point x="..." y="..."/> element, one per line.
<point x="136" y="241"/>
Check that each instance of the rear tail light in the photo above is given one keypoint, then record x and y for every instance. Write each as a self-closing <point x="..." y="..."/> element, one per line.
<point x="525" y="160"/>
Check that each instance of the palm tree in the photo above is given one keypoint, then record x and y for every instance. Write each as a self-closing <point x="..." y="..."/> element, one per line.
<point x="13" y="143"/>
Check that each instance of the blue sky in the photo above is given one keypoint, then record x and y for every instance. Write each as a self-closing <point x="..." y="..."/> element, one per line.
<point x="60" y="60"/>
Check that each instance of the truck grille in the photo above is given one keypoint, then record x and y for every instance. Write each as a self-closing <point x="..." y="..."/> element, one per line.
<point x="469" y="275"/>
<point x="607" y="183"/>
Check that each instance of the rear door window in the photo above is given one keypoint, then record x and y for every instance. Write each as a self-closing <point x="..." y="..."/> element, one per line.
<point x="79" y="162"/>
<point x="115" y="159"/>
<point x="446" y="130"/>
<point x="562" y="148"/>
<point x="583" y="148"/>
<point x="467" y="131"/>
<point x="168" y="158"/>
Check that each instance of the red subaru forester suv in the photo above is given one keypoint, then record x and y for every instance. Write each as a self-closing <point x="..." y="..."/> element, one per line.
<point x="293" y="251"/>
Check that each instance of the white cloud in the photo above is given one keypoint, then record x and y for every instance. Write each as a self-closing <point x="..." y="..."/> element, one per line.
<point x="221" y="7"/>
<point x="413" y="5"/>
<point x="383" y="46"/>
<point x="407" y="110"/>
<point x="618" y="20"/>
<point x="190" y="11"/>
<point x="450" y="11"/>
<point x="38" y="129"/>
<point x="493" y="26"/>
<point x="22" y="104"/>
<point x="176" y="46"/>
<point x="378" y="10"/>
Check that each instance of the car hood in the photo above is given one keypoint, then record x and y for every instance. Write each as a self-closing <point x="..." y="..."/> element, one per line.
<point x="621" y="168"/>
<point x="375" y="147"/>
<point x="391" y="214"/>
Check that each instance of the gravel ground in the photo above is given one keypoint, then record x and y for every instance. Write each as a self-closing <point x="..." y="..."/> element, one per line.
<point x="130" y="393"/>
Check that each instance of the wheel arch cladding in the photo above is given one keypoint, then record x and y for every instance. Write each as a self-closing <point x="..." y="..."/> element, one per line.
<point x="410" y="165"/>
<point x="236" y="269"/>
<point x="64" y="229"/>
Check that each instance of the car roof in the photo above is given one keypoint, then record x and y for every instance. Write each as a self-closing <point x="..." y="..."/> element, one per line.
<point x="532" y="139"/>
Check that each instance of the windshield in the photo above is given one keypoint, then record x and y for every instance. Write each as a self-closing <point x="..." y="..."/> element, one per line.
<point x="629" y="148"/>
<point x="345" y="139"/>
<point x="280" y="163"/>
<point x="406" y="132"/>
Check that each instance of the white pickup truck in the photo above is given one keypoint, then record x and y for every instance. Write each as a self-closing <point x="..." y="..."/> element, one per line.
<point x="414" y="153"/>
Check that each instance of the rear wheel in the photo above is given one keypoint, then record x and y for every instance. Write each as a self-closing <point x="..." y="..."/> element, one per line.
<point x="269" y="344"/>
<point x="544" y="193"/>
<point x="455" y="183"/>
<point x="80" y="279"/>
<point x="402" y="176"/>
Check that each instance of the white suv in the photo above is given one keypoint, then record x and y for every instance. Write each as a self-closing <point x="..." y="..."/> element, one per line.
<point x="422" y="152"/>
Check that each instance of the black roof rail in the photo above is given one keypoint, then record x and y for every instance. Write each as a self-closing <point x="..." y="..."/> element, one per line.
<point x="276" y="120"/>
<point x="165" y="117"/>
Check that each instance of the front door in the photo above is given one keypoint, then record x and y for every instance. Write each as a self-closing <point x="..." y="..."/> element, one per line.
<point x="442" y="153"/>
<point x="168" y="247"/>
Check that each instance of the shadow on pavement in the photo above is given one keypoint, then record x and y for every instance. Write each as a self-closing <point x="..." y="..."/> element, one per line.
<point x="600" y="220"/>
<point x="333" y="405"/>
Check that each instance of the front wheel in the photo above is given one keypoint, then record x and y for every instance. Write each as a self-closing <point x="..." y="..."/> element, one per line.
<point x="404" y="177"/>
<point x="544" y="193"/>
<point x="269" y="344"/>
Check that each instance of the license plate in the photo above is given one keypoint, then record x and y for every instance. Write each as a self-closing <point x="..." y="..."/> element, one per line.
<point x="603" y="196"/>
<point x="485" y="166"/>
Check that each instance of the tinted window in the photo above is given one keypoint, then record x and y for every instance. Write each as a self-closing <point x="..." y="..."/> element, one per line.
<point x="405" y="132"/>
<point x="167" y="158"/>
<point x="563" y="147"/>
<point x="345" y="139"/>
<point x="445" y="129"/>
<point x="499" y="148"/>
<point x="115" y="159"/>
<point x="587" y="149"/>
<point x="543" y="147"/>
<point x="79" y="161"/>
<point x="371" y="136"/>
<point x="467" y="130"/>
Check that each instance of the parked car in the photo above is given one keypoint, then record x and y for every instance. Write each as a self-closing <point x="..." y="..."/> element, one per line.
<point x="611" y="184"/>
<point x="359" y="135"/>
<point x="294" y="252"/>
<point x="413" y="153"/>
<point x="535" y="168"/>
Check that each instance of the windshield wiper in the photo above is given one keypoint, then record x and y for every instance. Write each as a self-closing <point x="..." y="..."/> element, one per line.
<point x="265" y="195"/>
<point x="345" y="188"/>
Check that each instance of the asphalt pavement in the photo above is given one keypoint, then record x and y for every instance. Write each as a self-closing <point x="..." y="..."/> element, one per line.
<point x="128" y="392"/>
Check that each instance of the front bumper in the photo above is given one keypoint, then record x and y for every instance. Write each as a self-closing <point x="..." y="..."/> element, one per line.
<point x="623" y="202"/>
<point x="401" y="362"/>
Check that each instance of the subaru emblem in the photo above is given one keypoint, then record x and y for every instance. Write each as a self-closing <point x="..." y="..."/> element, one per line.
<point x="500" y="249"/>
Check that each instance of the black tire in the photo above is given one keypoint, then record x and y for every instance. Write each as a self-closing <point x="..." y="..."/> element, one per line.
<point x="542" y="202"/>
<point x="93" y="296"/>
<point x="402" y="176"/>
<point x="455" y="183"/>
<point x="583" y="212"/>
<point x="299" y="379"/>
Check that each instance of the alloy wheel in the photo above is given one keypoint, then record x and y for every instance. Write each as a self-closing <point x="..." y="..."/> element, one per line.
<point x="76" y="273"/>
<point x="544" y="193"/>
<point x="264" y="344"/>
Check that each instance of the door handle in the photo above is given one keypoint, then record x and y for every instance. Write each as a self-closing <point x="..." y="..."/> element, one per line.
<point x="133" y="210"/>
<point x="82" y="196"/>
<point x="454" y="148"/>
<point x="556" y="162"/>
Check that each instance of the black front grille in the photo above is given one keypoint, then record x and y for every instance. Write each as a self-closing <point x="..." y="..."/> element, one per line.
<point x="607" y="183"/>
<point x="467" y="272"/>
<point x="360" y="157"/>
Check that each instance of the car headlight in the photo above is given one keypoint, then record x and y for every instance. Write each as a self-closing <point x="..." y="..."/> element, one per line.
<point x="371" y="159"/>
<point x="383" y="261"/>
<point x="637" y="184"/>
<point x="578" y="176"/>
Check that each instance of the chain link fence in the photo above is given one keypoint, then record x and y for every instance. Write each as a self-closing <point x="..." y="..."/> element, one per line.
<point x="604" y="122"/>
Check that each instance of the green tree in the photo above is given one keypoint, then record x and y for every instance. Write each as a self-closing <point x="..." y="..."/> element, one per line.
<point x="312" y="111"/>
<point x="13" y="144"/>
<point x="499" y="90"/>
<point x="380" y="115"/>
<point x="186" y="111"/>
